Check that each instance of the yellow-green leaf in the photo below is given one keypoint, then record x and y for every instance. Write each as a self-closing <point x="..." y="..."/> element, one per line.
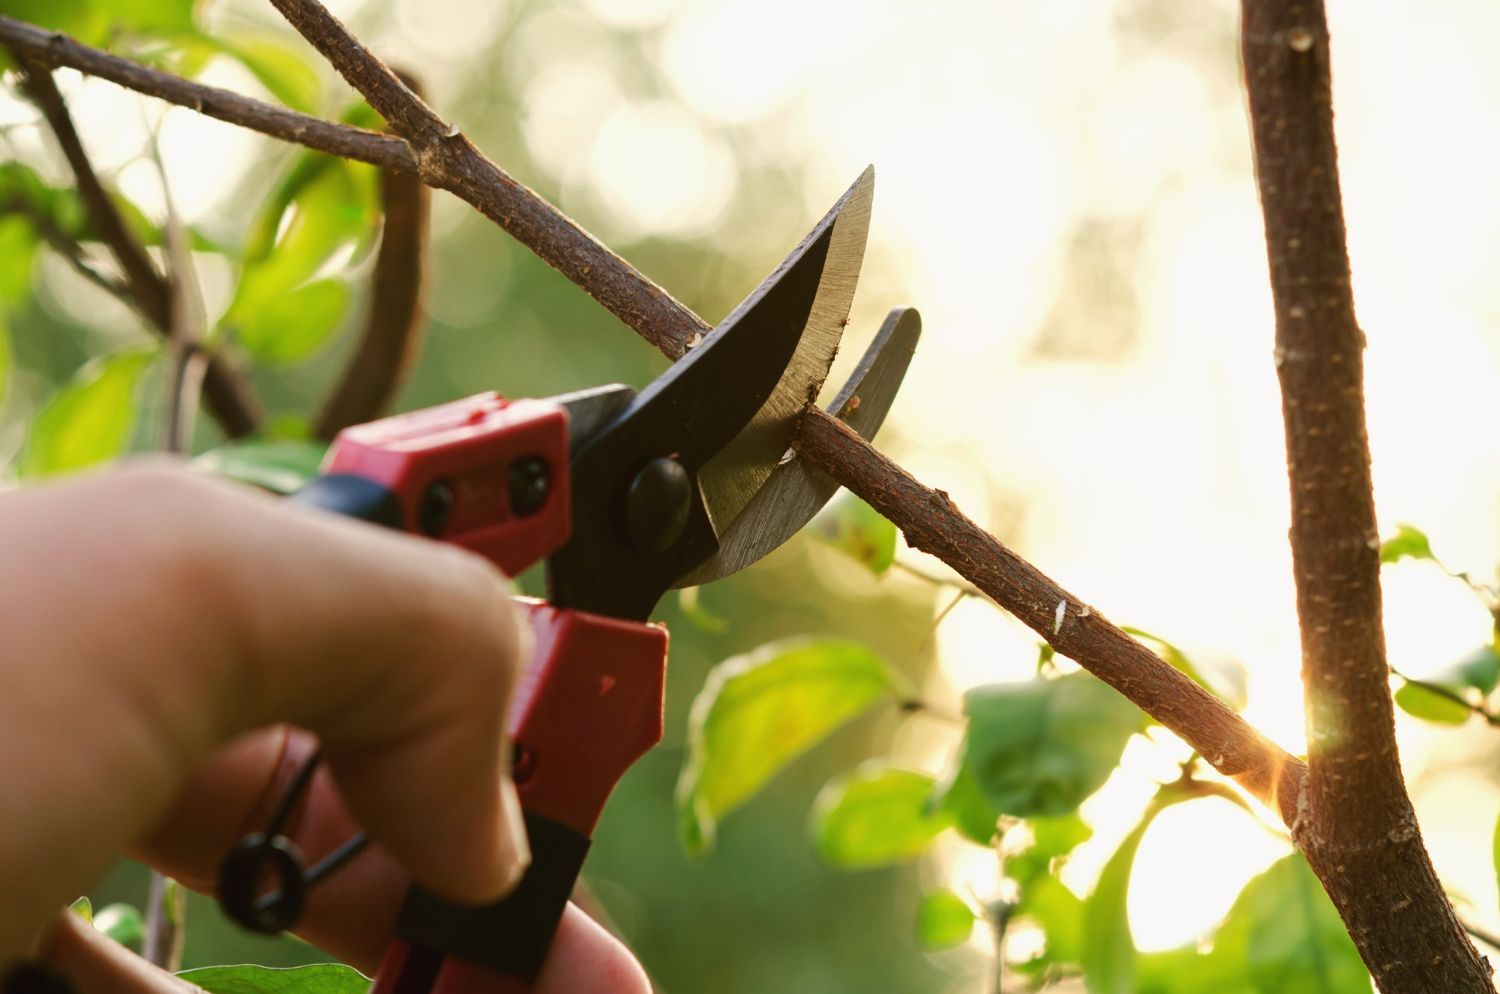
<point x="18" y="243"/>
<point x="280" y="466"/>
<point x="320" y="978"/>
<point x="288" y="326"/>
<point x="286" y="74"/>
<point x="759" y="712"/>
<point x="857" y="529"/>
<point x="83" y="908"/>
<point x="1042" y="746"/>
<point x="121" y="922"/>
<point x="89" y="420"/>
<point x="1290" y="936"/>
<point x="1407" y="543"/>
<point x="1108" y="948"/>
<point x="1424" y="702"/>
<point x="944" y="920"/>
<point x="875" y="816"/>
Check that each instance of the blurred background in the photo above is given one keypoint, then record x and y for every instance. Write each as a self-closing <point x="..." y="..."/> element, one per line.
<point x="1065" y="191"/>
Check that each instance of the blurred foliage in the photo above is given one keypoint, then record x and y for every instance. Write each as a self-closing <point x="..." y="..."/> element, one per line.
<point x="783" y="691"/>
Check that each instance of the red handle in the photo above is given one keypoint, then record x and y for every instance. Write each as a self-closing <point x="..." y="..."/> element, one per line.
<point x="586" y="708"/>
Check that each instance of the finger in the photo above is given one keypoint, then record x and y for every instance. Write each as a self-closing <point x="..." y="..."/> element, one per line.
<point x="190" y="611"/>
<point x="352" y="913"/>
<point x="95" y="964"/>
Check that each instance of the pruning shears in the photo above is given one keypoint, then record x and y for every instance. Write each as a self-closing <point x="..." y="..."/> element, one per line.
<point x="626" y="496"/>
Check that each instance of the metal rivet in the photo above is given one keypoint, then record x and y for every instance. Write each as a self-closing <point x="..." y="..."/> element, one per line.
<point x="529" y="481"/>
<point x="658" y="505"/>
<point x="436" y="508"/>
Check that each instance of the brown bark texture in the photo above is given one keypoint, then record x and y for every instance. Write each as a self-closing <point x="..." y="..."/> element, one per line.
<point x="1356" y="824"/>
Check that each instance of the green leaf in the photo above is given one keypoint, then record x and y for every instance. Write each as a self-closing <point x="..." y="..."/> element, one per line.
<point x="280" y="466"/>
<point x="1429" y="705"/>
<point x="285" y="306"/>
<point x="944" y="920"/>
<point x="121" y="922"/>
<point x="1472" y="679"/>
<point x="1407" y="543"/>
<point x="89" y="420"/>
<point x="1188" y="971"/>
<point x="857" y="529"/>
<point x="1058" y="912"/>
<point x="1108" y="947"/>
<point x="758" y="712"/>
<point x="961" y="799"/>
<point x="1290" y="936"/>
<point x="289" y="326"/>
<point x="321" y="978"/>
<point x="875" y="816"/>
<point x="148" y="15"/>
<point x="4" y="359"/>
<point x="1041" y="747"/>
<point x="1223" y="677"/>
<point x="18" y="244"/>
<point x="278" y="68"/>
<point x="75" y="17"/>
<point x="690" y="603"/>
<point x="83" y="908"/>
<point x="1059" y="834"/>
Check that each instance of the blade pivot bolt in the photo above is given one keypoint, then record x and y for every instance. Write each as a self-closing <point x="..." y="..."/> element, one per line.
<point x="436" y="509"/>
<point x="660" y="499"/>
<point x="529" y="481"/>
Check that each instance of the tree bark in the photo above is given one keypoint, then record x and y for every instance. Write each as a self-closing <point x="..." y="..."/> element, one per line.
<point x="1356" y="824"/>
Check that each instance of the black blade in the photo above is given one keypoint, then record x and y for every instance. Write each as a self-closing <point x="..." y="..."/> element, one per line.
<point x="687" y="415"/>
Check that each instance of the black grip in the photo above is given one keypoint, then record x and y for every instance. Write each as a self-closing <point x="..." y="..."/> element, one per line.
<point x="512" y="935"/>
<point x="353" y="497"/>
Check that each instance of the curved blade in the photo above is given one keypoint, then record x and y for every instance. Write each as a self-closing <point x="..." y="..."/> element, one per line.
<point x="794" y="491"/>
<point x="739" y="470"/>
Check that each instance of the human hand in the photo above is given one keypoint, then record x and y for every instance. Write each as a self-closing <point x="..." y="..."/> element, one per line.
<point x="158" y="630"/>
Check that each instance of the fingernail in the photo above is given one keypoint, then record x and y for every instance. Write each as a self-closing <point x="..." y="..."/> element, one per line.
<point x="516" y="848"/>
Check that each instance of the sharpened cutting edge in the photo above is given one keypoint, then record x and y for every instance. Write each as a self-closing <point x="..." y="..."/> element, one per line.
<point x="795" y="491"/>
<point x="732" y="478"/>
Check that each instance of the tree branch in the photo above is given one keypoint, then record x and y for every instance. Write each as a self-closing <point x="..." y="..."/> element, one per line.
<point x="448" y="160"/>
<point x="1357" y="826"/>
<point x="392" y="335"/>
<point x="229" y="396"/>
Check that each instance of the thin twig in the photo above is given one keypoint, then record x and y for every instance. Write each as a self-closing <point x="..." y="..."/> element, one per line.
<point x="64" y="245"/>
<point x="229" y="395"/>
<point x="966" y="589"/>
<point x="166" y="902"/>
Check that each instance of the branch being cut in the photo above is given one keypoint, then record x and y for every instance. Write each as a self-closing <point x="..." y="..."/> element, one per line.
<point x="229" y="396"/>
<point x="1136" y="671"/>
<point x="1357" y="826"/>
<point x="932" y="523"/>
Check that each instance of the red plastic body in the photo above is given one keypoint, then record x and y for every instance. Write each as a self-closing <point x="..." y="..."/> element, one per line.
<point x="471" y="444"/>
<point x="585" y="709"/>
